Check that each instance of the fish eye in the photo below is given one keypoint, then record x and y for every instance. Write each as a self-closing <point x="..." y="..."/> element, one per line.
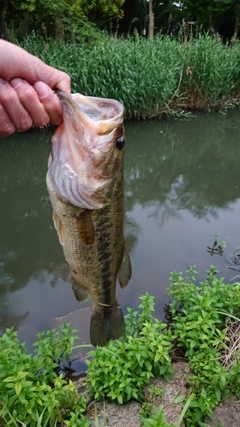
<point x="120" y="142"/>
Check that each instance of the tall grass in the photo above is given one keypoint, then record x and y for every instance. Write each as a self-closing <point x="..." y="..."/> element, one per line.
<point x="212" y="73"/>
<point x="150" y="77"/>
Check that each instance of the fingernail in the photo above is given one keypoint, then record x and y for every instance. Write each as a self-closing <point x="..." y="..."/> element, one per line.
<point x="42" y="89"/>
<point x="15" y="83"/>
<point x="2" y="82"/>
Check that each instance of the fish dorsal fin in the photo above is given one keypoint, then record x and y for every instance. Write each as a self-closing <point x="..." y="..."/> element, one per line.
<point x="85" y="227"/>
<point x="125" y="270"/>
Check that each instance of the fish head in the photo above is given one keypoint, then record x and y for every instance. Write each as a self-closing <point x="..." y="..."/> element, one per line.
<point x="87" y="150"/>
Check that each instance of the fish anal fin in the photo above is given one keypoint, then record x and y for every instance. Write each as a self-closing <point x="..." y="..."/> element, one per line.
<point x="59" y="227"/>
<point x="85" y="227"/>
<point x="125" y="270"/>
<point x="104" y="328"/>
<point x="80" y="293"/>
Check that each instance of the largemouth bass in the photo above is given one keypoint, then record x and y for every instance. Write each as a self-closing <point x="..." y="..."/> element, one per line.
<point x="85" y="184"/>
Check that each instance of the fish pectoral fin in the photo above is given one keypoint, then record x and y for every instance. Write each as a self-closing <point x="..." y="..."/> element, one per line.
<point x="85" y="227"/>
<point x="59" y="227"/>
<point x="125" y="270"/>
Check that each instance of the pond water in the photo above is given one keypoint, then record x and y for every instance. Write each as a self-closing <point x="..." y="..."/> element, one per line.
<point x="182" y="184"/>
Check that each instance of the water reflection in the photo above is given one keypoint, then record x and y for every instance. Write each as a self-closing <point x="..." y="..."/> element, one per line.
<point x="181" y="181"/>
<point x="181" y="186"/>
<point x="189" y="165"/>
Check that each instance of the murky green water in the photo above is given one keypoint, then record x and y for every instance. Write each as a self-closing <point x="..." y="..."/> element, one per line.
<point x="182" y="184"/>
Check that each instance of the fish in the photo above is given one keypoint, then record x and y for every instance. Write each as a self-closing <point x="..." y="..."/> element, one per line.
<point x="85" y="184"/>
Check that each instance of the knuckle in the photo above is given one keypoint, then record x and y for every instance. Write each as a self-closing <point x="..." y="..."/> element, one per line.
<point x="7" y="129"/>
<point x="67" y="78"/>
<point x="25" y="123"/>
<point x="6" y="126"/>
<point x="8" y="96"/>
<point x="27" y="93"/>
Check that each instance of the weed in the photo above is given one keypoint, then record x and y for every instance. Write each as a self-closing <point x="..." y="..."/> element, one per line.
<point x="32" y="392"/>
<point x="199" y="324"/>
<point x="235" y="263"/>
<point x="157" y="419"/>
<point x="217" y="247"/>
<point x="205" y="323"/>
<point x="122" y="369"/>
<point x="104" y="417"/>
<point x="157" y="391"/>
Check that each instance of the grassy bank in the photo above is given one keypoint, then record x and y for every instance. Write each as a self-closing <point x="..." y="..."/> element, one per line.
<point x="150" y="77"/>
<point x="203" y="325"/>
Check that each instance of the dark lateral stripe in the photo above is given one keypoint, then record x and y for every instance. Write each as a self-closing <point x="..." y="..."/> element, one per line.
<point x="104" y="257"/>
<point x="107" y="295"/>
<point x="105" y="261"/>
<point x="106" y="277"/>
<point x="104" y="234"/>
<point x="102" y="247"/>
<point x="105" y="269"/>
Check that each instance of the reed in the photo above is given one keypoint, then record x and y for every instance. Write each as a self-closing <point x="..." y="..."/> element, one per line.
<point x="153" y="77"/>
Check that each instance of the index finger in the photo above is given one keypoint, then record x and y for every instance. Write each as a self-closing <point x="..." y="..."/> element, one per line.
<point x="50" y="102"/>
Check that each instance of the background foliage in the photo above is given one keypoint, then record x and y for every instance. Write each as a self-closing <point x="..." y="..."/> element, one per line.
<point x="151" y="78"/>
<point x="62" y="18"/>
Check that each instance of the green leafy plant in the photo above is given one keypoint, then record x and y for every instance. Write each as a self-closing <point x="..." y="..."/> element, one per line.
<point x="32" y="390"/>
<point x="157" y="419"/>
<point x="121" y="370"/>
<point x="199" y="321"/>
<point x="205" y="324"/>
<point x="96" y="420"/>
<point x="157" y="391"/>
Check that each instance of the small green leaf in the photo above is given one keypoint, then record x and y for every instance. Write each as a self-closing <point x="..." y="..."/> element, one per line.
<point x="18" y="388"/>
<point x="179" y="399"/>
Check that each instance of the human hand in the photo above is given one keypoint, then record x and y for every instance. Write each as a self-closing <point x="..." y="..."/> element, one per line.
<point x="26" y="96"/>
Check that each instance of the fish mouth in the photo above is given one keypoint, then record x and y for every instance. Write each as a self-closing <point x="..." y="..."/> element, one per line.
<point x="102" y="114"/>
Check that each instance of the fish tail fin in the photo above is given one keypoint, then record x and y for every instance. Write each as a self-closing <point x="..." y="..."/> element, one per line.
<point x="106" y="324"/>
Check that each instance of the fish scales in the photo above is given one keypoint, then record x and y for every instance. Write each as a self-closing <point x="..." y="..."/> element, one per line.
<point x="95" y="265"/>
<point x="92" y="239"/>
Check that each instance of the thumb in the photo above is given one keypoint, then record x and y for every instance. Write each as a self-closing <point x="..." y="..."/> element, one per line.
<point x="54" y="78"/>
<point x="17" y="62"/>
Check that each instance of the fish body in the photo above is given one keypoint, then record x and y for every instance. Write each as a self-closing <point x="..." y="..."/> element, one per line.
<point x="85" y="184"/>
